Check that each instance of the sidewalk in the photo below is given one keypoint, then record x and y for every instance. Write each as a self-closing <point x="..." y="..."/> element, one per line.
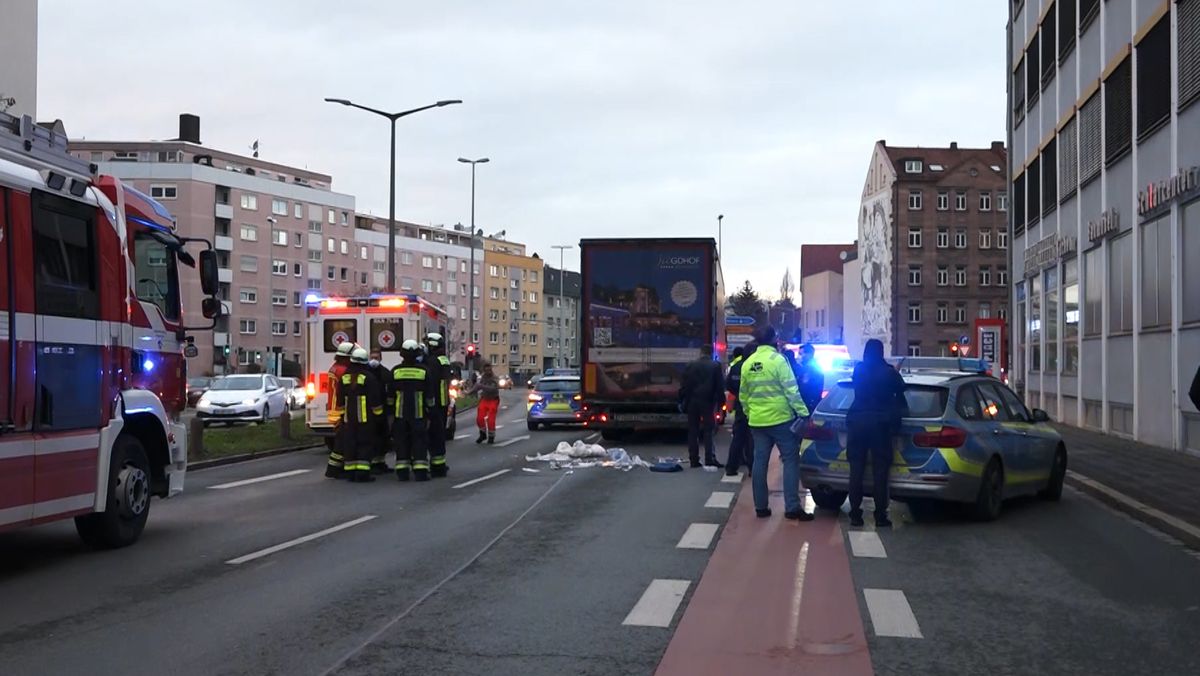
<point x="1159" y="486"/>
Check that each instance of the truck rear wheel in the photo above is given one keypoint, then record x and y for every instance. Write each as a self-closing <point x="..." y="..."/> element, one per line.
<point x="124" y="517"/>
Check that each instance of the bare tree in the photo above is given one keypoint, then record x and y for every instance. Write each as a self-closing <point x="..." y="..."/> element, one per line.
<point x="787" y="287"/>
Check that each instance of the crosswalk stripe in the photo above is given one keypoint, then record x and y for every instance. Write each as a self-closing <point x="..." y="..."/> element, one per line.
<point x="720" y="500"/>
<point x="698" y="536"/>
<point x="890" y="613"/>
<point x="866" y="544"/>
<point x="658" y="604"/>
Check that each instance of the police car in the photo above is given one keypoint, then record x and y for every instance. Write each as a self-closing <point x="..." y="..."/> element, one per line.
<point x="966" y="438"/>
<point x="554" y="401"/>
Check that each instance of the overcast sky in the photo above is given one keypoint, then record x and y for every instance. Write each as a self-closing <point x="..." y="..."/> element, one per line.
<point x="601" y="119"/>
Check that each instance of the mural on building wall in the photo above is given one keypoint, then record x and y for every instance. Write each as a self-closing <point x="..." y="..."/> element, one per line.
<point x="874" y="248"/>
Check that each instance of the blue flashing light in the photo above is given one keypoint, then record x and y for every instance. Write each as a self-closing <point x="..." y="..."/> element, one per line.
<point x="311" y="299"/>
<point x="148" y="224"/>
<point x="825" y="360"/>
<point x="148" y="365"/>
<point x="154" y="204"/>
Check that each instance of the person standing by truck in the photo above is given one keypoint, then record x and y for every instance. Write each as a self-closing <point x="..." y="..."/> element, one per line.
<point x="488" y="389"/>
<point x="361" y="397"/>
<point x="701" y="393"/>
<point x="439" y="370"/>
<point x="412" y="392"/>
<point x="335" y="469"/>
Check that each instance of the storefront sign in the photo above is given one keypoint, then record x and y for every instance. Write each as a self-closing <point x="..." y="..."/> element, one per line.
<point x="1048" y="252"/>
<point x="1157" y="197"/>
<point x="1109" y="221"/>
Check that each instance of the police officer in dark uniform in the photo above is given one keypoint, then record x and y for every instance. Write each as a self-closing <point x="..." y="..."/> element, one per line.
<point x="412" y="393"/>
<point x="872" y="421"/>
<point x="383" y="429"/>
<point x="439" y="371"/>
<point x="362" y="405"/>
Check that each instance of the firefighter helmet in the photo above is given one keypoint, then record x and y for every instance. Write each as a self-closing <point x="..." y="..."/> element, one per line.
<point x="433" y="340"/>
<point x="345" y="348"/>
<point x="410" y="350"/>
<point x="360" y="356"/>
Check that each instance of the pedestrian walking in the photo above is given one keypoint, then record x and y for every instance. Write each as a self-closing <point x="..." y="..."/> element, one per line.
<point x="809" y="377"/>
<point x="362" y="404"/>
<point x="701" y="394"/>
<point x="334" y="468"/>
<point x="741" y="444"/>
<point x="383" y="428"/>
<point x="872" y="421"/>
<point x="488" y="389"/>
<point x="412" y="392"/>
<point x="440" y="373"/>
<point x="772" y="402"/>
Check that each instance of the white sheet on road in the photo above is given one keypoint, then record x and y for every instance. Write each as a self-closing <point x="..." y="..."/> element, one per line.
<point x="582" y="455"/>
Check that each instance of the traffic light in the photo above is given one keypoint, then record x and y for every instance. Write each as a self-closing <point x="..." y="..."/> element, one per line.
<point x="954" y="349"/>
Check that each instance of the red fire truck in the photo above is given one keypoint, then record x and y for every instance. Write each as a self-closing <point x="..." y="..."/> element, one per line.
<point x="92" y="342"/>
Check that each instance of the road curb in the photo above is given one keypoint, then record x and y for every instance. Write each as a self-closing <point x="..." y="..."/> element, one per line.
<point x="244" y="457"/>
<point x="1171" y="525"/>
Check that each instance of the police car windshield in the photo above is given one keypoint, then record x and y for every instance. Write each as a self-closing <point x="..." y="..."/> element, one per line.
<point x="238" y="383"/>
<point x="924" y="401"/>
<point x="547" y="385"/>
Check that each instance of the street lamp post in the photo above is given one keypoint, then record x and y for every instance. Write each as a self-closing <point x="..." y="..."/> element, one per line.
<point x="391" y="259"/>
<point x="720" y="217"/>
<point x="474" y="234"/>
<point x="272" y="365"/>
<point x="562" y="274"/>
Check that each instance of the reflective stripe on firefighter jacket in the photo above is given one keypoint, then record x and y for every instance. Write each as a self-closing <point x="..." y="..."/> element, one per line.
<point x="768" y="390"/>
<point x="443" y="382"/>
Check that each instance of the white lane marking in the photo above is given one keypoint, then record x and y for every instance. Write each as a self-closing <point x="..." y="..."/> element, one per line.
<point x="519" y="420"/>
<point x="592" y="437"/>
<point x="735" y="479"/>
<point x="512" y="441"/>
<point x="1158" y="515"/>
<point x="499" y="427"/>
<point x="720" y="500"/>
<point x="299" y="541"/>
<point x="866" y="544"/>
<point x="698" y="536"/>
<point x="247" y="482"/>
<point x="460" y="437"/>
<point x="658" y="604"/>
<point x="530" y="470"/>
<point x="797" y="596"/>
<point x="472" y="482"/>
<point x="890" y="613"/>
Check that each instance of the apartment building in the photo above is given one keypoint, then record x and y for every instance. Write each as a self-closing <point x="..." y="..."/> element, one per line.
<point x="1105" y="167"/>
<point x="280" y="233"/>
<point x="514" y="323"/>
<point x="562" y="292"/>
<point x="933" y="240"/>
<point x="821" y="292"/>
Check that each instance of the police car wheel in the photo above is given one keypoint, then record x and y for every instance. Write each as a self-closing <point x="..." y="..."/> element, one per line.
<point x="128" y="505"/>
<point x="991" y="492"/>
<point x="829" y="499"/>
<point x="1058" y="474"/>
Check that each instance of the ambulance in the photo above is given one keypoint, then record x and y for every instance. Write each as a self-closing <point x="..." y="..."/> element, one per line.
<point x="377" y="322"/>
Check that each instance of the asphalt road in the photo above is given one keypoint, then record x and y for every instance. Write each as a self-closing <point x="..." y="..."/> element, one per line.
<point x="524" y="572"/>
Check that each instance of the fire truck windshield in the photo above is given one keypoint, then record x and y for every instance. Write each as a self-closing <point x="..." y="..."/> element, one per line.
<point x="157" y="278"/>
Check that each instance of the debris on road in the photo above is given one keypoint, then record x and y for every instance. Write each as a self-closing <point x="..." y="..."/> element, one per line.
<point x="580" y="455"/>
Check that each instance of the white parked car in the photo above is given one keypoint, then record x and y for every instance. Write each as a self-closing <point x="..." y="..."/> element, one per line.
<point x="242" y="398"/>
<point x="296" y="397"/>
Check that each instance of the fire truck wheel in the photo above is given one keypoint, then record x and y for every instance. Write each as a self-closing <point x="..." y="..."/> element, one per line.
<point x="124" y="517"/>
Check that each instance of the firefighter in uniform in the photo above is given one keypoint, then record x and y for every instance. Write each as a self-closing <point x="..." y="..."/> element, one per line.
<point x="439" y="369"/>
<point x="383" y="430"/>
<point x="362" y="401"/>
<point x="333" y="384"/>
<point x="412" y="391"/>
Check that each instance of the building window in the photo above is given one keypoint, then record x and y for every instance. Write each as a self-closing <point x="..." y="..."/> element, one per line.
<point x="1033" y="191"/>
<point x="914" y="238"/>
<point x="1068" y="158"/>
<point x="314" y="284"/>
<point x="296" y="330"/>
<point x="912" y="166"/>
<point x="914" y="275"/>
<point x="1002" y="201"/>
<point x="345" y="218"/>
<point x="1070" y="316"/>
<point x="1088" y="11"/>
<point x="296" y="270"/>
<point x="330" y="273"/>
<point x="279" y="207"/>
<point x="985" y="310"/>
<point x="1154" y="90"/>
<point x="332" y="217"/>
<point x="247" y="327"/>
<point x="331" y="245"/>
<point x="1052" y="318"/>
<point x="960" y="313"/>
<point x="1093" y="293"/>
<point x="1035" y="323"/>
<point x="533" y="297"/>
<point x="278" y="328"/>
<point x="406" y="257"/>
<point x="985" y="276"/>
<point x="297" y="299"/>
<point x="248" y="295"/>
<point x="1120" y="284"/>
<point x="960" y="239"/>
<point x="249" y="264"/>
<point x="1033" y="73"/>
<point x="914" y="349"/>
<point x="1118" y="112"/>
<point x="314" y="255"/>
<point x="943" y="313"/>
<point x="164" y="192"/>
<point x="1066" y="29"/>
<point x="427" y="262"/>
<point x="985" y="201"/>
<point x="1002" y="239"/>
<point x="298" y="211"/>
<point x="427" y="285"/>
<point x="1018" y="91"/>
<point x="345" y="247"/>
<point x="298" y="239"/>
<point x="914" y="313"/>
<point x="1049" y="178"/>
<point x="914" y="200"/>
<point x="362" y="278"/>
<point x="960" y="200"/>
<point x="943" y="275"/>
<point x="1091" y="147"/>
<point x="985" y="239"/>
<point x="1001" y="276"/>
<point x="249" y="233"/>
<point x="1019" y="204"/>
<point x="279" y="237"/>
<point x="362" y="252"/>
<point x="943" y="200"/>
<point x="314" y="227"/>
<point x="960" y="275"/>
<point x="279" y="267"/>
<point x="1156" y="273"/>
<point x="1049" y="31"/>
<point x="943" y="238"/>
<point x="344" y="274"/>
<point x="250" y="202"/>
<point x="1187" y="14"/>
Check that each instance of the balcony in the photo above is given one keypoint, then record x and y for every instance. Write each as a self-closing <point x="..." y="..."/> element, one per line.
<point x="220" y="339"/>
<point x="225" y="275"/>
<point x="223" y="243"/>
<point x="224" y="211"/>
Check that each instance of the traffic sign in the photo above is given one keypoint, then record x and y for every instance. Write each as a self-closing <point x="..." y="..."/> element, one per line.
<point x="738" y="320"/>
<point x="739" y="340"/>
<point x="738" y="329"/>
<point x="964" y="339"/>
